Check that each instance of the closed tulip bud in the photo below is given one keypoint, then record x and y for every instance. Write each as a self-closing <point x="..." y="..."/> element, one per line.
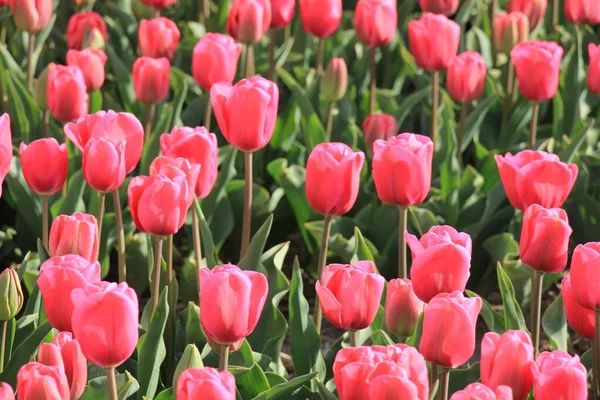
<point x="5" y="147"/>
<point x="215" y="59"/>
<point x="159" y="3"/>
<point x="442" y="252"/>
<point x="41" y="87"/>
<point x="206" y="383"/>
<point x="99" y="308"/>
<point x="159" y="203"/>
<point x="593" y="76"/>
<point x="94" y="40"/>
<point x="45" y="165"/>
<point x="337" y="292"/>
<point x="582" y="11"/>
<point x="6" y="391"/>
<point x="249" y="20"/>
<point x="83" y="27"/>
<point x="375" y="21"/>
<point x="535" y="177"/>
<point x="91" y="62"/>
<point x="559" y="376"/>
<point x="402" y="169"/>
<point x="505" y="360"/>
<point x="282" y="13"/>
<point x="198" y="146"/>
<point x="585" y="274"/>
<point x="433" y="41"/>
<point x="333" y="178"/>
<point x="534" y="9"/>
<point x="448" y="337"/>
<point x="59" y="276"/>
<point x="335" y="80"/>
<point x="444" y="7"/>
<point x="151" y="79"/>
<point x="247" y="128"/>
<point x="36" y="381"/>
<point x="466" y="76"/>
<point x="11" y="295"/>
<point x="537" y="65"/>
<point x="115" y="127"/>
<point x="103" y="164"/>
<point x="158" y="37"/>
<point x="74" y="234"/>
<point x="478" y="391"/>
<point x="581" y="319"/>
<point x="402" y="307"/>
<point x="510" y="29"/>
<point x="190" y="358"/>
<point x="544" y="243"/>
<point x="65" y="352"/>
<point x="320" y="18"/>
<point x="31" y="15"/>
<point x="243" y="293"/>
<point x="66" y="93"/>
<point x="173" y="167"/>
<point x="379" y="126"/>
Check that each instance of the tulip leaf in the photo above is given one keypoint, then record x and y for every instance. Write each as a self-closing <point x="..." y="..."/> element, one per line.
<point x="567" y="154"/>
<point x="574" y="77"/>
<point x="362" y="251"/>
<point x="166" y="395"/>
<point x="554" y="323"/>
<point x="282" y="391"/>
<point x="23" y="352"/>
<point x="193" y="328"/>
<point x="415" y="339"/>
<point x="325" y="393"/>
<point x="381" y="338"/>
<point x="513" y="316"/>
<point x="96" y="388"/>
<point x="252" y="259"/>
<point x="461" y="377"/>
<point x="29" y="205"/>
<point x="73" y="201"/>
<point x="493" y="319"/>
<point x="151" y="349"/>
<point x="206" y="241"/>
<point x="252" y="382"/>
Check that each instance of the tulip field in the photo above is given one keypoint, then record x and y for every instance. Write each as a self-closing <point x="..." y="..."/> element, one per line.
<point x="299" y="200"/>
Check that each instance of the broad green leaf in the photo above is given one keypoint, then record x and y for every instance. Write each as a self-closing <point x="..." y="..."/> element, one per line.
<point x="166" y="395"/>
<point x="493" y="319"/>
<point x="325" y="393"/>
<point x="206" y="239"/>
<point x="415" y="339"/>
<point x="73" y="201"/>
<point x="193" y="329"/>
<point x="513" y="316"/>
<point x="96" y="388"/>
<point x="282" y="391"/>
<point x="381" y="338"/>
<point x="252" y="259"/>
<point x="554" y="323"/>
<point x="251" y="383"/>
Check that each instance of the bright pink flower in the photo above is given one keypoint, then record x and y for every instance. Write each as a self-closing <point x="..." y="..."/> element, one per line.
<point x="91" y="62"/>
<point x="172" y="167"/>
<point x="593" y="76"/>
<point x="537" y="65"/>
<point x="82" y="25"/>
<point x="215" y="59"/>
<point x="444" y="7"/>
<point x="74" y="234"/>
<point x="158" y="37"/>
<point x="585" y="275"/>
<point x="66" y="93"/>
<point x="45" y="165"/>
<point x="581" y="319"/>
<point x="466" y="76"/>
<point x="559" y="376"/>
<point x="433" y="41"/>
<point x="402" y="307"/>
<point x="582" y="11"/>
<point x="320" y="18"/>
<point x="151" y="79"/>
<point x="375" y="21"/>
<point x="5" y="147"/>
<point x="478" y="391"/>
<point x="282" y="13"/>
<point x="206" y="383"/>
<point x="249" y="20"/>
<point x="36" y="381"/>
<point x="534" y="9"/>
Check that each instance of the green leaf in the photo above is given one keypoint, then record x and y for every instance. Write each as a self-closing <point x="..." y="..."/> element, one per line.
<point x="493" y="319"/>
<point x="325" y="393"/>
<point x="206" y="241"/>
<point x="166" y="395"/>
<point x="252" y="382"/>
<point x="193" y="328"/>
<point x="151" y="349"/>
<point x="282" y="391"/>
<point x="574" y="78"/>
<point x="461" y="377"/>
<point x="569" y="152"/>
<point x="513" y="316"/>
<point x="252" y="259"/>
<point x="415" y="339"/>
<point x="71" y="203"/>
<point x="96" y="389"/>
<point x="554" y="323"/>
<point x="362" y="250"/>
<point x="381" y="338"/>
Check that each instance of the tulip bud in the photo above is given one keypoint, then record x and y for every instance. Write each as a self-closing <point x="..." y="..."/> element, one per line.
<point x="581" y="319"/>
<point x="11" y="295"/>
<point x="534" y="9"/>
<point x="593" y="77"/>
<point x="94" y="40"/>
<point x="542" y="60"/>
<point x="74" y="234"/>
<point x="584" y="274"/>
<point x="444" y="7"/>
<point x="375" y="21"/>
<point x="583" y="11"/>
<point x="510" y="29"/>
<point x="5" y="147"/>
<point x="466" y="76"/>
<point x="6" y="391"/>
<point x="158" y="37"/>
<point x="45" y="165"/>
<point x="83" y="30"/>
<point x="151" y="79"/>
<point x="321" y="18"/>
<point x="91" y="62"/>
<point x="215" y="59"/>
<point x="67" y="93"/>
<point x="205" y="383"/>
<point x="41" y="86"/>
<point x="433" y="40"/>
<point x="379" y="126"/>
<point x="402" y="307"/>
<point x="31" y="15"/>
<point x="249" y="20"/>
<point x="282" y="13"/>
<point x="335" y="80"/>
<point x="190" y="358"/>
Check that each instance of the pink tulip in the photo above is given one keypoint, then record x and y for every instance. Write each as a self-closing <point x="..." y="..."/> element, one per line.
<point x="206" y="383"/>
<point x="91" y="62"/>
<point x="6" y="392"/>
<point x="581" y="319"/>
<point x="444" y="7"/>
<point x="510" y="29"/>
<point x="151" y="79"/>
<point x="478" y="391"/>
<point x="5" y="147"/>
<point x="103" y="164"/>
<point x="559" y="376"/>
<point x="402" y="307"/>
<point x="249" y="20"/>
<point x="441" y="261"/>
<point x="378" y="126"/>
<point x="282" y="13"/>
<point x="159" y="3"/>
<point x="215" y="59"/>
<point x="105" y="321"/>
<point x="320" y="18"/>
<point x="242" y="297"/>
<point x="582" y="11"/>
<point x="31" y="15"/>
<point x="433" y="41"/>
<point x="83" y="26"/>
<point x="537" y="65"/>
<point x="74" y="234"/>
<point x="45" y="165"/>
<point x="36" y="381"/>
<point x="66" y="93"/>
<point x="172" y="167"/>
<point x="466" y="76"/>
<point x="59" y="276"/>
<point x="375" y="21"/>
<point x="534" y="9"/>
<point x="593" y="76"/>
<point x="158" y="38"/>
<point x="585" y="275"/>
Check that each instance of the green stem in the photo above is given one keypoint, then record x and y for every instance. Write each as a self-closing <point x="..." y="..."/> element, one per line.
<point x="433" y="378"/>
<point x="402" y="225"/>
<point x="157" y="12"/>
<point x="3" y="345"/>
<point x="508" y="98"/>
<point x="461" y="131"/>
<point x="111" y="384"/>
<point x="272" y="44"/>
<point x="435" y="88"/>
<point x="45" y="221"/>
<point x="287" y="33"/>
<point x="373" y="81"/>
<point x="352" y="336"/>
<point x="329" y="121"/>
<point x="536" y="305"/>
<point x="596" y="355"/>
<point x="45" y="123"/>
<point x="120" y="236"/>
<point x="320" y="56"/>
<point x="158" y="243"/>
<point x="493" y="8"/>
<point x="555" y="15"/>
<point x="249" y="70"/>
<point x="150" y="110"/>
<point x="101" y="202"/>
<point x="534" y="121"/>
<point x="247" y="219"/>
<point x="224" y="357"/>
<point x="208" y="114"/>
<point x="444" y="384"/>
<point x="204" y="12"/>
<point x="170" y="332"/>
<point x="30" y="65"/>
<point x="318" y="316"/>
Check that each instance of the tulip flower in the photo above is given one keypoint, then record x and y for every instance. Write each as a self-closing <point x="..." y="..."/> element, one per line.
<point x="333" y="88"/>
<point x="535" y="177"/>
<point x="65" y="352"/>
<point x="206" y="383"/>
<point x="59" y="276"/>
<point x="172" y="167"/>
<point x="151" y="79"/>
<point x="505" y="360"/>
<point x="509" y="29"/>
<point x="84" y="25"/>
<point x="31" y="15"/>
<point x="580" y="318"/>
<point x="6" y="391"/>
<point x="91" y="62"/>
<point x="75" y="234"/>
<point x="478" y="391"/>
<point x="11" y="294"/>
<point x="534" y="9"/>
<point x="242" y="294"/>
<point x="158" y="38"/>
<point x="320" y="18"/>
<point x="66" y="93"/>
<point x="249" y="20"/>
<point x="282" y="13"/>
<point x="337" y="291"/>
<point x="378" y="126"/>
<point x="559" y="376"/>
<point x="402" y="307"/>
<point x="444" y="7"/>
<point x="103" y="164"/>
<point x="36" y="381"/>
<point x="593" y="76"/>
<point x="582" y="11"/>
<point x="190" y="359"/>
<point x="159" y="4"/>
<point x="5" y="147"/>
<point x="585" y="267"/>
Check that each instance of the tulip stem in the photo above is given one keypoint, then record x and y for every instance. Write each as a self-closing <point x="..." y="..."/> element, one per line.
<point x="493" y="8"/>
<point x="329" y="121"/>
<point x="433" y="378"/>
<point x="555" y="16"/>
<point x="45" y="221"/>
<point x="30" y="66"/>
<point x="205" y="12"/>
<point x="444" y="384"/>
<point x="247" y="219"/>
<point x="249" y="70"/>
<point x="373" y="82"/>
<point x="111" y="383"/>
<point x="149" y="114"/>
<point x="45" y="123"/>
<point x="272" y="43"/>
<point x="318" y="316"/>
<point x="208" y="114"/>
<point x="197" y="242"/>
<point x="320" y="56"/>
<point x="158" y="243"/>
<point x="464" y="107"/>
<point x="170" y="332"/>
<point x="157" y="12"/>
<point x="120" y="236"/>
<point x="508" y="97"/>
<point x="101" y="197"/>
<point x="534" y="121"/>
<point x="353" y="339"/>
<point x="3" y="345"/>
<point x="596" y="354"/>
<point x="435" y="89"/>
<point x="224" y="357"/>
<point x="536" y="304"/>
<point x="402" y="225"/>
